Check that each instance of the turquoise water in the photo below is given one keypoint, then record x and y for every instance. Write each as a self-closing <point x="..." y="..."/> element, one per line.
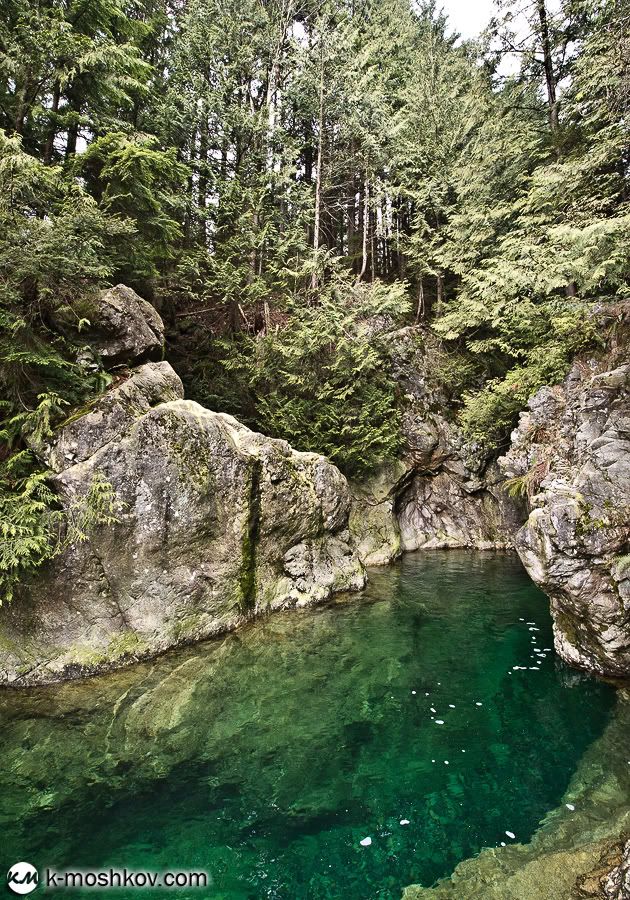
<point x="265" y="758"/>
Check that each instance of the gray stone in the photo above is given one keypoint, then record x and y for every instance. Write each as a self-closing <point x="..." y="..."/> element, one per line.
<point x="102" y="421"/>
<point x="572" y="452"/>
<point x="215" y="524"/>
<point x="122" y="327"/>
<point x="443" y="492"/>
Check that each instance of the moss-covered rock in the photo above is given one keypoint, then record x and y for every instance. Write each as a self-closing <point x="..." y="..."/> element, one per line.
<point x="214" y="524"/>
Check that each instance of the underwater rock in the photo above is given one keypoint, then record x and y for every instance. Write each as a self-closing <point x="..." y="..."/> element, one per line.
<point x="574" y="855"/>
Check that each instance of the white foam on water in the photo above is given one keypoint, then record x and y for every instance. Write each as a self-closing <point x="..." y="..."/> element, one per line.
<point x="366" y="842"/>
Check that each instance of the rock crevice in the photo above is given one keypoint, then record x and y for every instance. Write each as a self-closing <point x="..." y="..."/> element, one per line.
<point x="571" y="455"/>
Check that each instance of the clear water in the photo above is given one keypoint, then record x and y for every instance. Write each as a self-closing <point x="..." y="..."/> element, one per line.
<point x="266" y="757"/>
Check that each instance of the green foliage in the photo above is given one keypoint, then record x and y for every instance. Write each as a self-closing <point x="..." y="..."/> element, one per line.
<point x="55" y="249"/>
<point x="271" y="175"/>
<point x="525" y="486"/>
<point x="34" y="528"/>
<point x="96" y="508"/>
<point x="137" y="182"/>
<point x="35" y="424"/>
<point x="68" y="66"/>
<point x="521" y="206"/>
<point x="322" y="384"/>
<point x="542" y="346"/>
<point x="30" y="521"/>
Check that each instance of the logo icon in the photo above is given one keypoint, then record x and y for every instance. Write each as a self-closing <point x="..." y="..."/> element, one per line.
<point x="22" y="878"/>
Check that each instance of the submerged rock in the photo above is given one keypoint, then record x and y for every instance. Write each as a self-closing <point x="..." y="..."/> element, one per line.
<point x="573" y="855"/>
<point x="571" y="453"/>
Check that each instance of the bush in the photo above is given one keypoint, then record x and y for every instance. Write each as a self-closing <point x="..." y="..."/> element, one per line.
<point x="322" y="382"/>
<point x="33" y="526"/>
<point x="490" y="411"/>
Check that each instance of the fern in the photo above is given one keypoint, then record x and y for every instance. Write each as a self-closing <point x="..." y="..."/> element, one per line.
<point x="34" y="528"/>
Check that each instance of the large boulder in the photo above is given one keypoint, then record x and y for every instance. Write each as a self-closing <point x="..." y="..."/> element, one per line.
<point x="107" y="417"/>
<point x="120" y="327"/>
<point x="571" y="455"/>
<point x="214" y="524"/>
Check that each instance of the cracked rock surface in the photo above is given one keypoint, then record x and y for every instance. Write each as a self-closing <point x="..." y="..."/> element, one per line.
<point x="214" y="524"/>
<point x="443" y="493"/>
<point x="571" y="452"/>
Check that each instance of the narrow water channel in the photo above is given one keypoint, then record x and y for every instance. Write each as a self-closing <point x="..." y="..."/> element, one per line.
<point x="429" y="715"/>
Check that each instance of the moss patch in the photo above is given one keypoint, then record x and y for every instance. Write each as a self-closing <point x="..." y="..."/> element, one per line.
<point x="247" y="579"/>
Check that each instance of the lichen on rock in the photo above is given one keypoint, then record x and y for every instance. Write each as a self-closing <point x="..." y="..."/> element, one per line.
<point x="572" y="452"/>
<point x="213" y="524"/>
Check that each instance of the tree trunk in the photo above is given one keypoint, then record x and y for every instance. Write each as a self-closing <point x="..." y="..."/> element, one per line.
<point x="366" y="228"/>
<point x="550" y="78"/>
<point x="71" y="142"/>
<point x="373" y="259"/>
<point x="420" y="311"/>
<point x="440" y="292"/>
<point x="49" y="149"/>
<point x="318" y="172"/>
<point x="22" y="103"/>
<point x="202" y="194"/>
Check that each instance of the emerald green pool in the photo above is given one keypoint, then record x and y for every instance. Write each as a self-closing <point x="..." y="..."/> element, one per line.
<point x="266" y="757"/>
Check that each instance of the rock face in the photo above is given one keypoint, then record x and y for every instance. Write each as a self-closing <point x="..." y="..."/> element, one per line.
<point x="617" y="884"/>
<point x="214" y="524"/>
<point x="610" y="879"/>
<point x="443" y="493"/>
<point x="122" y="328"/>
<point x="571" y="454"/>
